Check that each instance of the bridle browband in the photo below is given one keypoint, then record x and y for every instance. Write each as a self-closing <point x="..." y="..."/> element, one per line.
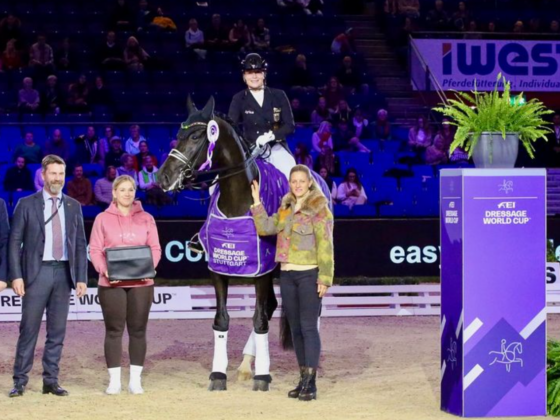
<point x="189" y="172"/>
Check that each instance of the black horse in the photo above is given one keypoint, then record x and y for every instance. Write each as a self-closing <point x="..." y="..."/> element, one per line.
<point x="236" y="171"/>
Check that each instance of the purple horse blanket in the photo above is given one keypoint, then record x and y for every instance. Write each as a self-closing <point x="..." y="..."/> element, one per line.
<point x="232" y="244"/>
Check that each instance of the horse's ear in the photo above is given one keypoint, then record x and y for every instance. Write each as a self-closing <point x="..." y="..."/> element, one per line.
<point x="190" y="105"/>
<point x="208" y="110"/>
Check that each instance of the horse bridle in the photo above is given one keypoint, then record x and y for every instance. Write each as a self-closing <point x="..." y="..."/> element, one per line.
<point x="189" y="171"/>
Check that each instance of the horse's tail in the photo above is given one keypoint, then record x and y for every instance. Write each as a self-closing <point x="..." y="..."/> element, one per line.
<point x="285" y="333"/>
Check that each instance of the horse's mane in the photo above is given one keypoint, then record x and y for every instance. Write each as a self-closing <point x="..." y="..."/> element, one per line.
<point x="236" y="129"/>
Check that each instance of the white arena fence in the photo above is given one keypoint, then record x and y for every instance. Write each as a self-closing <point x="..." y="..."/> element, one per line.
<point x="187" y="302"/>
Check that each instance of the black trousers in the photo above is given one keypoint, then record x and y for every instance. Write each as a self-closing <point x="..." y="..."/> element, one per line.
<point x="302" y="305"/>
<point x="125" y="307"/>
<point x="51" y="292"/>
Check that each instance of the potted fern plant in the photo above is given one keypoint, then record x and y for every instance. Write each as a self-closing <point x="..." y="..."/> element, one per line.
<point x="491" y="124"/>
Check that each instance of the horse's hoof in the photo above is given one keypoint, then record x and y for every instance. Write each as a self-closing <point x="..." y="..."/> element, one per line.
<point x="261" y="385"/>
<point x="218" y="385"/>
<point x="218" y="382"/>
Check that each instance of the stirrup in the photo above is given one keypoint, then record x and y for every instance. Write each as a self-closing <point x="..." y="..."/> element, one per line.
<point x="194" y="244"/>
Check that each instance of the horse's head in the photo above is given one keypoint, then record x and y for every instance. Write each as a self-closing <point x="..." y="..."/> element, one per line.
<point x="192" y="148"/>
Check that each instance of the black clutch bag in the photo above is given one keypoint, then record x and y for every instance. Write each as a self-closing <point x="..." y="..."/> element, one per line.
<point x="130" y="263"/>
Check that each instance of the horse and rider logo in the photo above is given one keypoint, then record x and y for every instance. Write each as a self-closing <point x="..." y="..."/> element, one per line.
<point x="228" y="232"/>
<point x="508" y="354"/>
<point x="452" y="353"/>
<point x="506" y="186"/>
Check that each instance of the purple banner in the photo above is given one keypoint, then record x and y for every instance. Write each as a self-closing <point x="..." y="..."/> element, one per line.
<point x="503" y="308"/>
<point x="531" y="66"/>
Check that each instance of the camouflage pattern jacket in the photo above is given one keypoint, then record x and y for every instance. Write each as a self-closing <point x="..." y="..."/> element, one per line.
<point x="304" y="237"/>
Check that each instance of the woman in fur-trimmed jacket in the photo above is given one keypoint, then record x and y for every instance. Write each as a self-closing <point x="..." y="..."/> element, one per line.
<point x="304" y="225"/>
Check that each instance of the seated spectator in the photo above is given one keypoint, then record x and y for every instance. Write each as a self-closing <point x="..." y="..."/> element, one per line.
<point x="327" y="159"/>
<point x="409" y="8"/>
<point x="38" y="181"/>
<point x="18" y="177"/>
<point x="58" y="146"/>
<point x="472" y="31"/>
<point x="334" y="93"/>
<point x="103" y="189"/>
<point x="320" y="113"/>
<point x="194" y="40"/>
<point x="79" y="187"/>
<point x="461" y="17"/>
<point x="135" y="57"/>
<point x="302" y="156"/>
<point x="446" y="133"/>
<point x="420" y="136"/>
<point x="145" y="16"/>
<point x="10" y="28"/>
<point x="342" y="135"/>
<point x="382" y="125"/>
<point x="459" y="156"/>
<point x="53" y="99"/>
<point x="344" y="43"/>
<point x="491" y="27"/>
<point x="66" y="56"/>
<point x="163" y="22"/>
<point x="354" y="145"/>
<point x="127" y="167"/>
<point x="349" y="76"/>
<point x="41" y="56"/>
<point x="114" y="155"/>
<point x="322" y="137"/>
<point x="261" y="36"/>
<point x="78" y="95"/>
<point x="132" y="145"/>
<point x="28" y="98"/>
<point x="554" y="28"/>
<point x="172" y="145"/>
<point x="29" y="150"/>
<point x="147" y="181"/>
<point x="351" y="191"/>
<point x="100" y="95"/>
<point x="87" y="148"/>
<point x="361" y="125"/>
<point x="105" y="143"/>
<point x="312" y="7"/>
<point x="110" y="54"/>
<point x="518" y="27"/>
<point x="324" y="173"/>
<point x="437" y="19"/>
<point x="140" y="156"/>
<point x="217" y="37"/>
<point x="300" y="79"/>
<point x="436" y="154"/>
<point x="342" y="112"/>
<point x="239" y="36"/>
<point x="11" y="57"/>
<point x="121" y="17"/>
<point x="301" y="116"/>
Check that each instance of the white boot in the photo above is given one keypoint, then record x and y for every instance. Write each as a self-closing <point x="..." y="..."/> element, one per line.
<point x="135" y="384"/>
<point x="220" y="362"/>
<point x="262" y="358"/>
<point x="114" y="387"/>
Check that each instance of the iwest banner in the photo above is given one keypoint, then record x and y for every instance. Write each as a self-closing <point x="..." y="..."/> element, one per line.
<point x="531" y="66"/>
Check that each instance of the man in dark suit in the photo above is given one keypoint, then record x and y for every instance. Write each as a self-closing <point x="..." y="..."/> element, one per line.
<point x="4" y="235"/>
<point x="47" y="259"/>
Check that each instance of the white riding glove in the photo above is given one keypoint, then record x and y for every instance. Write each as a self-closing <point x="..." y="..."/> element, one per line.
<point x="265" y="138"/>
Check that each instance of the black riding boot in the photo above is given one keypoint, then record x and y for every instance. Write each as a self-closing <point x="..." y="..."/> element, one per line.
<point x="309" y="388"/>
<point x="294" y="393"/>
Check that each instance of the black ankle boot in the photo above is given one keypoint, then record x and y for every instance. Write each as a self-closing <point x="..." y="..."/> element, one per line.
<point x="309" y="388"/>
<point x="294" y="393"/>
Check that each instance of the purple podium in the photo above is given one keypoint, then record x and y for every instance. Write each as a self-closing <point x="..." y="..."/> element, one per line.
<point x="493" y="297"/>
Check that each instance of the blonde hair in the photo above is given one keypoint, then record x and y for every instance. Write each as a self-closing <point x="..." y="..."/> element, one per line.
<point x="121" y="180"/>
<point x="306" y="171"/>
